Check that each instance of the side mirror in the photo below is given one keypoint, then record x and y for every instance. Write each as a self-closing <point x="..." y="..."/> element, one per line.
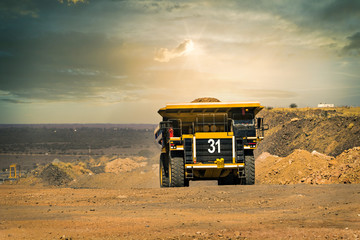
<point x="259" y="123"/>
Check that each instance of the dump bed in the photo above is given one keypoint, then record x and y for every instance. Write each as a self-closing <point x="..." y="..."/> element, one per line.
<point x="188" y="112"/>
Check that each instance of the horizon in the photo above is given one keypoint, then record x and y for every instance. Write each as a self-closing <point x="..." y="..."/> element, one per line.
<point x="119" y="62"/>
<point x="269" y="108"/>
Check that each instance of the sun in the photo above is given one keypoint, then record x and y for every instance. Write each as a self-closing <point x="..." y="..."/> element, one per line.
<point x="189" y="47"/>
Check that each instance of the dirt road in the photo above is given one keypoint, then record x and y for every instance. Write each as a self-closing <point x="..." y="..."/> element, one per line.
<point x="198" y="212"/>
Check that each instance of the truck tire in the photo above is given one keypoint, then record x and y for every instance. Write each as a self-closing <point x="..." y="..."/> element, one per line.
<point x="250" y="169"/>
<point x="163" y="174"/>
<point x="177" y="172"/>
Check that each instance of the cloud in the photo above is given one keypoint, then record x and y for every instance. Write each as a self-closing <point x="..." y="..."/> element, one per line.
<point x="68" y="66"/>
<point x="158" y="6"/>
<point x="165" y="55"/>
<point x="69" y="2"/>
<point x="353" y="48"/>
<point x="8" y="100"/>
<point x="340" y="10"/>
<point x="269" y="93"/>
<point x="8" y="97"/>
<point x="326" y="17"/>
<point x="80" y="72"/>
<point x="78" y="54"/>
<point x="5" y="54"/>
<point x="19" y="8"/>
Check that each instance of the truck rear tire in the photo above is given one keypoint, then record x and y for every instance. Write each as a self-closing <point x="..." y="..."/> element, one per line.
<point x="177" y="172"/>
<point x="163" y="172"/>
<point x="250" y="169"/>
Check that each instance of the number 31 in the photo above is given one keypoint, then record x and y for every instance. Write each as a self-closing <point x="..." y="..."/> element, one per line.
<point x="212" y="145"/>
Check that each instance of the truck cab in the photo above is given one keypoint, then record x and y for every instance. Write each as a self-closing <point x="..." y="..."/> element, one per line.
<point x="209" y="141"/>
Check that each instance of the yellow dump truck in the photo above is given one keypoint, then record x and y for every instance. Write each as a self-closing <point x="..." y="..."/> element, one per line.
<point x="209" y="141"/>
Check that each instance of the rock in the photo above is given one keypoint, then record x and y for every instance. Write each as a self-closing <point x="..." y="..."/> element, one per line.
<point x="237" y="233"/>
<point x="321" y="155"/>
<point x="122" y="196"/>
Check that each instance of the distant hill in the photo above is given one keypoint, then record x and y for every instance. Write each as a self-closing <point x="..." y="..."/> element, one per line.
<point x="73" y="138"/>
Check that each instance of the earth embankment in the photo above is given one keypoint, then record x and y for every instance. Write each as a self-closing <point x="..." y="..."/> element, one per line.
<point x="302" y="166"/>
<point x="328" y="131"/>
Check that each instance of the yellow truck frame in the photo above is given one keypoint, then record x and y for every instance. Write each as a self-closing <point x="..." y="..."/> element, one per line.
<point x="209" y="141"/>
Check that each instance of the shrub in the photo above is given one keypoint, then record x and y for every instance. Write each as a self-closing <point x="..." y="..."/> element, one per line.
<point x="293" y="105"/>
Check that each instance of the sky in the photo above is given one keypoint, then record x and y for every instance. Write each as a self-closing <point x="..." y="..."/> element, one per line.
<point x="118" y="61"/>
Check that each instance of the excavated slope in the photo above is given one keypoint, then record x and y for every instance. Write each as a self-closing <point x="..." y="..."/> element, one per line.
<point x="329" y="131"/>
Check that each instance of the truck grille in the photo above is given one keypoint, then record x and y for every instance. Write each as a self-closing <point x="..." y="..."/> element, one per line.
<point x="208" y="152"/>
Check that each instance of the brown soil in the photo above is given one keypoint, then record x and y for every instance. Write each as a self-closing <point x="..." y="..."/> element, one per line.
<point x="313" y="168"/>
<point x="129" y="204"/>
<point x="207" y="212"/>
<point x="125" y="165"/>
<point x="145" y="177"/>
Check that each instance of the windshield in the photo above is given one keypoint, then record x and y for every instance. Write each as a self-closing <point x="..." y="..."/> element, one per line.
<point x="244" y="122"/>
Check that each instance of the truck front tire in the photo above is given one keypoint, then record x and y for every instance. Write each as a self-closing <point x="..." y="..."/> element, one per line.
<point x="177" y="172"/>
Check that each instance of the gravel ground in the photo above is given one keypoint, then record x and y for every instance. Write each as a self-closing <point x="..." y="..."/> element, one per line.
<point x="198" y="212"/>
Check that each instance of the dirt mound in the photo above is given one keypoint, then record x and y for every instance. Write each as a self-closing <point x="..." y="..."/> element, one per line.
<point x="326" y="131"/>
<point x="145" y="177"/>
<point x="206" y="99"/>
<point x="125" y="164"/>
<point x="118" y="173"/>
<point x="54" y="175"/>
<point x="59" y="173"/>
<point x="263" y="157"/>
<point x="313" y="168"/>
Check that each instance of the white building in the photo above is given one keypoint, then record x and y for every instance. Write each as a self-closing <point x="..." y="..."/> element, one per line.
<point x="326" y="105"/>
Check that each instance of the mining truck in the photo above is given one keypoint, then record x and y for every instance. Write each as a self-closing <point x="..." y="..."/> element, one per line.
<point x="209" y="141"/>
